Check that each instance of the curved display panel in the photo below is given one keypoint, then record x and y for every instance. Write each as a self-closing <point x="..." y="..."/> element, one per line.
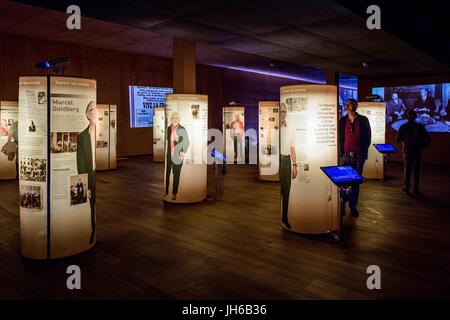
<point x="376" y="113"/>
<point x="308" y="141"/>
<point x="57" y="193"/>
<point x="234" y="133"/>
<point x="186" y="141"/>
<point x="269" y="140"/>
<point x="106" y="136"/>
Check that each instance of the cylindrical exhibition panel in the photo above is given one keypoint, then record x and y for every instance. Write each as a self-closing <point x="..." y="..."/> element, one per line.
<point x="57" y="193"/>
<point x="186" y="142"/>
<point x="308" y="139"/>
<point x="159" y="124"/>
<point x="269" y="140"/>
<point x="376" y="113"/>
<point x="234" y="133"/>
<point x="9" y="115"/>
<point x="106" y="137"/>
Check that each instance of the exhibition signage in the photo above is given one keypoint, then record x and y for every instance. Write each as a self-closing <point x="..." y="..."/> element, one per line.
<point x="57" y="165"/>
<point x="9" y="114"/>
<point x="376" y="113"/>
<point x="308" y="141"/>
<point x="142" y="102"/>
<point x="159" y="125"/>
<point x="186" y="138"/>
<point x="234" y="133"/>
<point x="106" y="136"/>
<point x="269" y="140"/>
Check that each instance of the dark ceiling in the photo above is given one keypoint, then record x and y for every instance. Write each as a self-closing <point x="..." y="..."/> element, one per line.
<point x="299" y="37"/>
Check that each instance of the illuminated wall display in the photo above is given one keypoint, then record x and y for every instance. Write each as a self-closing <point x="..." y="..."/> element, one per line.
<point x="106" y="157"/>
<point x="9" y="114"/>
<point x="269" y="140"/>
<point x="57" y="165"/>
<point x="376" y="113"/>
<point x="308" y="141"/>
<point x="159" y="125"/>
<point x="186" y="141"/>
<point x="142" y="102"/>
<point x="234" y="133"/>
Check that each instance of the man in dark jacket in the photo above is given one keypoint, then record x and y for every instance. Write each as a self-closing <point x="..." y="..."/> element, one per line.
<point x="86" y="159"/>
<point x="354" y="141"/>
<point x="177" y="145"/>
<point x="415" y="138"/>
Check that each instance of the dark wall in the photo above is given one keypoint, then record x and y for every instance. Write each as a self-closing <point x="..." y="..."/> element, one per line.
<point x="439" y="150"/>
<point x="225" y="85"/>
<point x="115" y="71"/>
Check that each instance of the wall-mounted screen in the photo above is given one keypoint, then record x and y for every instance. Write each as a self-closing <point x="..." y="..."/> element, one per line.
<point x="429" y="101"/>
<point x="345" y="94"/>
<point x="142" y="102"/>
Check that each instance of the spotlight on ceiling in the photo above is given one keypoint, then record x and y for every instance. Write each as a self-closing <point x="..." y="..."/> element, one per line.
<point x="52" y="63"/>
<point x="365" y="64"/>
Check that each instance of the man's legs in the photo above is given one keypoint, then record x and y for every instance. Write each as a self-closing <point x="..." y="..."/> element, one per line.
<point x="417" y="173"/>
<point x="285" y="177"/>
<point x="358" y="165"/>
<point x="407" y="166"/>
<point x="92" y="203"/>
<point x="176" y="178"/>
<point x="239" y="146"/>
<point x="168" y="169"/>
<point x="235" y="145"/>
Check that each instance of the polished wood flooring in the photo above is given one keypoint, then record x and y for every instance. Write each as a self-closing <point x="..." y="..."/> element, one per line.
<point x="233" y="248"/>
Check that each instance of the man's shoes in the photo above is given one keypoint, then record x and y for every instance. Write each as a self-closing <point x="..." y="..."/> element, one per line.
<point x="174" y="197"/>
<point x="405" y="190"/>
<point x="287" y="225"/>
<point x="354" y="212"/>
<point x="417" y="192"/>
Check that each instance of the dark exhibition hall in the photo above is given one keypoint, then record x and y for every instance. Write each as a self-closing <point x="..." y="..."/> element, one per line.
<point x="224" y="150"/>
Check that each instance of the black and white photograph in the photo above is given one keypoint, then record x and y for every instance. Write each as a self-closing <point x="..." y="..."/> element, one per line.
<point x="61" y="142"/>
<point x="32" y="126"/>
<point x="102" y="144"/>
<point x="41" y="97"/>
<point x="195" y="108"/>
<point x="30" y="197"/>
<point x="296" y="104"/>
<point x="78" y="189"/>
<point x="33" y="169"/>
<point x="269" y="149"/>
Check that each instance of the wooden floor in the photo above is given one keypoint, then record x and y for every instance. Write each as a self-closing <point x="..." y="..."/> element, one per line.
<point x="234" y="248"/>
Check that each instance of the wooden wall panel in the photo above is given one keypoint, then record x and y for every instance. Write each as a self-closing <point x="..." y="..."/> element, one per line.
<point x="115" y="71"/>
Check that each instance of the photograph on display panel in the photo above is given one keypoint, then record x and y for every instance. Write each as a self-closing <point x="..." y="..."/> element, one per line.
<point x="33" y="169"/>
<point x="61" y="142"/>
<point x="78" y="189"/>
<point x="431" y="102"/>
<point x="31" y="197"/>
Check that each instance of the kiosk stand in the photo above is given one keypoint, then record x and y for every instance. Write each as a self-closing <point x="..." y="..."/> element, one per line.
<point x="344" y="177"/>
<point x="219" y="172"/>
<point x="386" y="150"/>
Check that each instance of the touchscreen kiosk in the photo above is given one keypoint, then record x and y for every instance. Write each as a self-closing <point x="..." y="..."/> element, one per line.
<point x="342" y="176"/>
<point x="385" y="148"/>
